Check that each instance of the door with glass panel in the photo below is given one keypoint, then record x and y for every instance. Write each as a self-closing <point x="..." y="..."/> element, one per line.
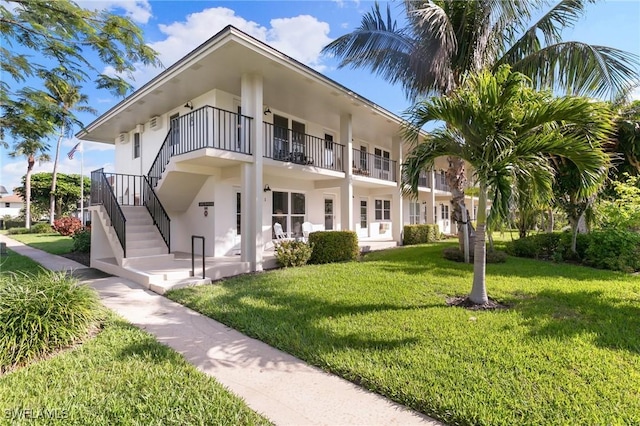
<point x="328" y="214"/>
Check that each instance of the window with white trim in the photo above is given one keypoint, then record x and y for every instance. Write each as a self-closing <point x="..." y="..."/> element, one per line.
<point x="289" y="210"/>
<point x="414" y="213"/>
<point x="136" y="145"/>
<point x="383" y="209"/>
<point x="382" y="159"/>
<point x="444" y="212"/>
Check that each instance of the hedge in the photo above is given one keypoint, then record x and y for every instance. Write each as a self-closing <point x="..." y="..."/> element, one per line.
<point x="420" y="234"/>
<point x="333" y="246"/>
<point x="608" y="249"/>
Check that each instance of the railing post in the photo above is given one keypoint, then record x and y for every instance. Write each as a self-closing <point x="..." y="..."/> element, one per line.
<point x="193" y="256"/>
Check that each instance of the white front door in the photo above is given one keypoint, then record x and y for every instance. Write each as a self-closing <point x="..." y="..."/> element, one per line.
<point x="363" y="216"/>
<point x="328" y="213"/>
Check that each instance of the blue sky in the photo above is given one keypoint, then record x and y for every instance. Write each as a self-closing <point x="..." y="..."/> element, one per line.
<point x="299" y="29"/>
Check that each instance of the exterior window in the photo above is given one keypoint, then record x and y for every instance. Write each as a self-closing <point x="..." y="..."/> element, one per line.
<point x="382" y="159"/>
<point x="383" y="209"/>
<point x="444" y="212"/>
<point x="414" y="213"/>
<point x="363" y="157"/>
<point x="475" y="212"/>
<point x="238" y="213"/>
<point x="328" y="141"/>
<point x="363" y="214"/>
<point x="7" y="204"/>
<point x="136" y="145"/>
<point x="292" y="218"/>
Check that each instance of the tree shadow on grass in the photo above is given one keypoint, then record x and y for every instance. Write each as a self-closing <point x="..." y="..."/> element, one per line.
<point x="295" y="323"/>
<point x="614" y="322"/>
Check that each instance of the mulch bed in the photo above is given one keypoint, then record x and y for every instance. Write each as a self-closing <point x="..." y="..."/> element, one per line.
<point x="84" y="258"/>
<point x="464" y="302"/>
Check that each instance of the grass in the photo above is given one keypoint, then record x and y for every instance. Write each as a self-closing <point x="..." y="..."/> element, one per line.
<point x="17" y="263"/>
<point x="566" y="352"/>
<point x="120" y="376"/>
<point x="51" y="243"/>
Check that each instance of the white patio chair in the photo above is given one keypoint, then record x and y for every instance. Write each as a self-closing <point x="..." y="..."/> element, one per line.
<point x="307" y="227"/>
<point x="280" y="235"/>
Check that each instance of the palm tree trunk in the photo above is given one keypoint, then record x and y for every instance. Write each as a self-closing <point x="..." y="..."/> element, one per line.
<point x="27" y="189"/>
<point x="478" y="293"/>
<point x="54" y="176"/>
<point x="550" y="227"/>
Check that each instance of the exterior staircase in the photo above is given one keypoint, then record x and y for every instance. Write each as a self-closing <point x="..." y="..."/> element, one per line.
<point x="143" y="238"/>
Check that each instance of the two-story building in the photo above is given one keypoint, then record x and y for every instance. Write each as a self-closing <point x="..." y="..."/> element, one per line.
<point x="235" y="137"/>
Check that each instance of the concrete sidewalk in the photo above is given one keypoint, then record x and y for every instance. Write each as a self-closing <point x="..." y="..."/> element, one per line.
<point x="281" y="387"/>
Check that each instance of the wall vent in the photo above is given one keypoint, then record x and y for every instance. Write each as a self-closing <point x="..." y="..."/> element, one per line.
<point x="155" y="122"/>
<point x="123" y="138"/>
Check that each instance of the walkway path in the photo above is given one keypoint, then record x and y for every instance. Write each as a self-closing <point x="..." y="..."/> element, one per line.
<point x="281" y="387"/>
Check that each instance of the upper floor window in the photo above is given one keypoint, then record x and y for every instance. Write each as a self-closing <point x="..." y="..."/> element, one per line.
<point x="136" y="145"/>
<point x="382" y="159"/>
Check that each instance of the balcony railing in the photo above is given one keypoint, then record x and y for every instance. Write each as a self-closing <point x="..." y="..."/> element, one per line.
<point x="424" y="180"/>
<point x="286" y="145"/>
<point x="375" y="166"/>
<point x="206" y="127"/>
<point x="441" y="184"/>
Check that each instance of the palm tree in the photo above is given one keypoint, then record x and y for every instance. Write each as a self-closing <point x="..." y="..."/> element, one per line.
<point x="446" y="39"/>
<point x="34" y="150"/>
<point x="507" y="132"/>
<point x="65" y="98"/>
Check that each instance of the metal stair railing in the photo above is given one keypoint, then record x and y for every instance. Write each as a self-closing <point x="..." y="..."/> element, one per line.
<point x="159" y="215"/>
<point x="102" y="194"/>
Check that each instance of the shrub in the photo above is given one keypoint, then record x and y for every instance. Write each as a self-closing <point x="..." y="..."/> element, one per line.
<point x="538" y="246"/>
<point x="614" y="249"/>
<point x="13" y="223"/>
<point x="41" y="228"/>
<point x="292" y="253"/>
<point x="493" y="256"/>
<point x="420" y="234"/>
<point x="16" y="231"/>
<point x="82" y="241"/>
<point x="67" y="225"/>
<point x="42" y="312"/>
<point x="333" y="246"/>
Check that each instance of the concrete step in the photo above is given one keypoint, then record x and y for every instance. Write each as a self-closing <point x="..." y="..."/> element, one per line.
<point x="149" y="241"/>
<point x="146" y="252"/>
<point x="137" y="230"/>
<point x="164" y="286"/>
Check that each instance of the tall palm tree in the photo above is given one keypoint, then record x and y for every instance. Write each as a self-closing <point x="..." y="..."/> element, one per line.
<point x="34" y="150"/>
<point x="507" y="132"/>
<point x="446" y="39"/>
<point x="65" y="99"/>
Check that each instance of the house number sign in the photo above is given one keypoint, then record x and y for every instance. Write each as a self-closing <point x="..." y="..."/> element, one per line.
<point x="205" y="204"/>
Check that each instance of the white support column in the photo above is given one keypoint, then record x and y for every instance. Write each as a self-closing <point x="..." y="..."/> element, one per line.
<point x="432" y="199"/>
<point x="397" y="214"/>
<point x="346" y="189"/>
<point x="252" y="239"/>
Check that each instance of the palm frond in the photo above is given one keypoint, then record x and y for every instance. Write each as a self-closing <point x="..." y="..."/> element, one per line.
<point x="549" y="27"/>
<point x="581" y="69"/>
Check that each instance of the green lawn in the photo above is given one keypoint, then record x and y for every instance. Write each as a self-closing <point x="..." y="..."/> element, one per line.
<point x="121" y="376"/>
<point x="566" y="352"/>
<point x="51" y="243"/>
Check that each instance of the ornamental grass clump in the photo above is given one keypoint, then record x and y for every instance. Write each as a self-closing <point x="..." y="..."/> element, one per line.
<point x="41" y="313"/>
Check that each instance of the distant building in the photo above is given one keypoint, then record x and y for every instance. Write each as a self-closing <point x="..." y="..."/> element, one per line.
<point x="10" y="205"/>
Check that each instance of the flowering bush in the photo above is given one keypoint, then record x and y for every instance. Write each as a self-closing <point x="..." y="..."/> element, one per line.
<point x="67" y="226"/>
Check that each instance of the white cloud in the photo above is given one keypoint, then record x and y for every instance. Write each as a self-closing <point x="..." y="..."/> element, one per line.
<point x="301" y="37"/>
<point x="635" y="95"/>
<point x="139" y="11"/>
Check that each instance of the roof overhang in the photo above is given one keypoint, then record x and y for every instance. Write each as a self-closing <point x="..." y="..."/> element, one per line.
<point x="219" y="63"/>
